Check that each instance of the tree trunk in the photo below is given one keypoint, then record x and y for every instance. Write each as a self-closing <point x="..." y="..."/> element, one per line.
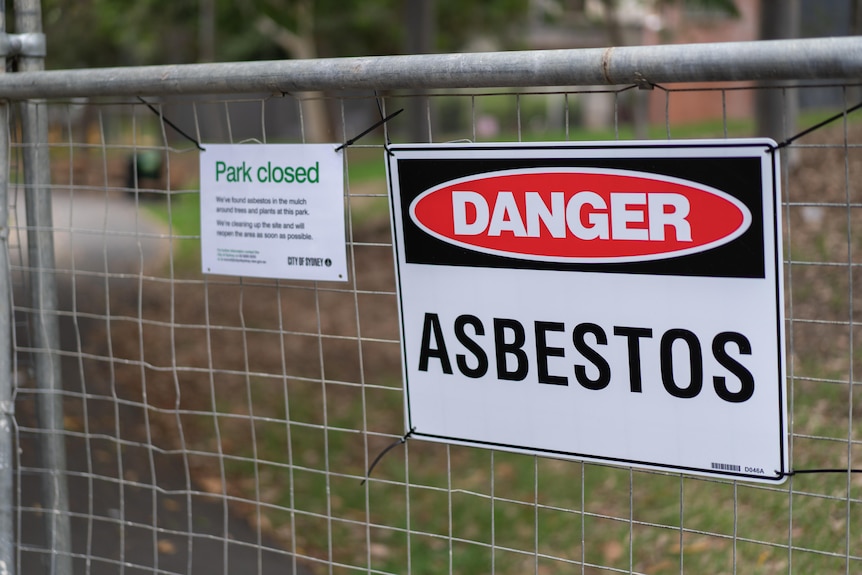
<point x="300" y="45"/>
<point x="777" y="109"/>
<point x="419" y="15"/>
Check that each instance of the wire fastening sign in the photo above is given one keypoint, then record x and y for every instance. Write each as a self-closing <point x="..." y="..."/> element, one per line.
<point x="614" y="302"/>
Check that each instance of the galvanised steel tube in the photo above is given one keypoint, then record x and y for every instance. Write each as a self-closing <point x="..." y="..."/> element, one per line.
<point x="44" y="322"/>
<point x="7" y="493"/>
<point x="803" y="59"/>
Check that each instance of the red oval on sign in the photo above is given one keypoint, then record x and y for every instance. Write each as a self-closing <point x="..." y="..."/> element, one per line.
<point x="580" y="215"/>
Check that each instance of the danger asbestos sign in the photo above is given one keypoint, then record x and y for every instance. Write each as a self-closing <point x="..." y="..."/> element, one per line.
<point x="615" y="302"/>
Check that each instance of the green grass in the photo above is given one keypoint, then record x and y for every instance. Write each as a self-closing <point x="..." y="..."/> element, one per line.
<point x="733" y="128"/>
<point x="365" y="165"/>
<point x="181" y="213"/>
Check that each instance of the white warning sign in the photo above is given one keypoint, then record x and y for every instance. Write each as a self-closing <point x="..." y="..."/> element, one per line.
<point x="616" y="302"/>
<point x="274" y="211"/>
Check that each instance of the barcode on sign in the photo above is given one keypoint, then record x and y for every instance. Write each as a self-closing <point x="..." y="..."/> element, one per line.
<point x="726" y="467"/>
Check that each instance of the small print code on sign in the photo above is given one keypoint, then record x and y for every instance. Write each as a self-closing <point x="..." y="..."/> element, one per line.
<point x="726" y="467"/>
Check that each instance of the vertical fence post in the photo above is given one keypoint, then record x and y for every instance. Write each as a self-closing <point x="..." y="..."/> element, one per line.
<point x="777" y="109"/>
<point x="44" y="320"/>
<point x="7" y="528"/>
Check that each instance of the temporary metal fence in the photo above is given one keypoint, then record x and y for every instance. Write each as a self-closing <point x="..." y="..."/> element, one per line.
<point x="216" y="424"/>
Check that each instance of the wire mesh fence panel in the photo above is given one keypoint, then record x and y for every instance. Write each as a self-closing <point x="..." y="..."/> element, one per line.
<point x="218" y="424"/>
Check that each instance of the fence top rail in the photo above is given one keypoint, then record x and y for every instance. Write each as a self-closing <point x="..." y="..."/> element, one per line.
<point x="773" y="60"/>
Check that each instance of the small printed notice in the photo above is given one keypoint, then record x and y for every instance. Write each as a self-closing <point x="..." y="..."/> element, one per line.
<point x="273" y="211"/>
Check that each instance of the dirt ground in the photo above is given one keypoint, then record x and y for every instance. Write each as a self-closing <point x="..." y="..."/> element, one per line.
<point x="185" y="350"/>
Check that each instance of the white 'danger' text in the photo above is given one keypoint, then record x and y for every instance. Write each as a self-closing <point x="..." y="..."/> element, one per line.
<point x="635" y="216"/>
<point x="503" y="344"/>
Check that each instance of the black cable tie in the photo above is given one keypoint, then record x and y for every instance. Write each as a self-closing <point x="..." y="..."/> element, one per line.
<point x="401" y="440"/>
<point x="817" y="126"/>
<point x="171" y="124"/>
<point x="813" y="471"/>
<point x="376" y="125"/>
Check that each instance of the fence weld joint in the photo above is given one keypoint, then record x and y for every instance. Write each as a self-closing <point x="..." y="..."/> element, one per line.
<point x="31" y="44"/>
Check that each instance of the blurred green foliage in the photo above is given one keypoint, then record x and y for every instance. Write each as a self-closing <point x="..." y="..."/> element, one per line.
<point x="94" y="33"/>
<point x="91" y="33"/>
